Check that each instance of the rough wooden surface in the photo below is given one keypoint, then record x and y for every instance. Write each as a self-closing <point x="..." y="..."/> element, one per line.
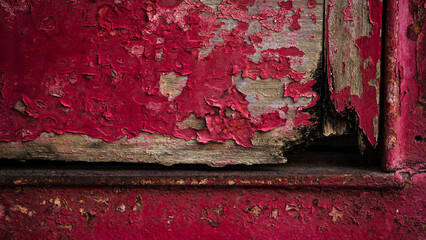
<point x="290" y="96"/>
<point x="352" y="47"/>
<point x="353" y="42"/>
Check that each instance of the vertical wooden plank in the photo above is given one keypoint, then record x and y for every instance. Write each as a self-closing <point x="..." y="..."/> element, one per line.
<point x="353" y="39"/>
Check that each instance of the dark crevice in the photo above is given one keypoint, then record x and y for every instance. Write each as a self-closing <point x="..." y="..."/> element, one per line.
<point x="348" y="118"/>
<point x="382" y="85"/>
<point x="311" y="133"/>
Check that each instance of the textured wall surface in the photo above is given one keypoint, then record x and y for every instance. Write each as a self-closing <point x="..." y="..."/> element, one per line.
<point x="404" y="88"/>
<point x="113" y="69"/>
<point x="158" y="81"/>
<point x="255" y="212"/>
<point x="213" y="213"/>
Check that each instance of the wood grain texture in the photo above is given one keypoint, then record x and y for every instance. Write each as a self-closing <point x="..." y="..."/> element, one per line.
<point x="289" y="96"/>
<point x="353" y="67"/>
<point x="353" y="42"/>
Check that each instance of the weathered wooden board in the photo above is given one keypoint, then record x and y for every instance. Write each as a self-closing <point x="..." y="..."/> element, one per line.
<point x="353" y="42"/>
<point x="210" y="81"/>
<point x="216" y="82"/>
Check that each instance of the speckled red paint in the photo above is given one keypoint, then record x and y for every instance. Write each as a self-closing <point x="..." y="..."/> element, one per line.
<point x="94" y="68"/>
<point x="347" y="11"/>
<point x="213" y="213"/>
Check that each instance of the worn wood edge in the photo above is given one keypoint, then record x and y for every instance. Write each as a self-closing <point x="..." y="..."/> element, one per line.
<point x="166" y="151"/>
<point x="338" y="165"/>
<point x="77" y="147"/>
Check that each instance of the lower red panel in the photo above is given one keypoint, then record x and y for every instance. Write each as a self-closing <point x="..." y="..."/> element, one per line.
<point x="213" y="213"/>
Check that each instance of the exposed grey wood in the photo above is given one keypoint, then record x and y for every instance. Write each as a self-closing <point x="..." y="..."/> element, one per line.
<point x="347" y="22"/>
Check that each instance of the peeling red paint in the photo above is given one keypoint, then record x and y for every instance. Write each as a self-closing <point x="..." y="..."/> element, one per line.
<point x="370" y="48"/>
<point x="325" y="208"/>
<point x="295" y="20"/>
<point x="344" y="67"/>
<point x="314" y="18"/>
<point x="94" y="68"/>
<point x="347" y="11"/>
<point x="288" y="5"/>
<point x="297" y="89"/>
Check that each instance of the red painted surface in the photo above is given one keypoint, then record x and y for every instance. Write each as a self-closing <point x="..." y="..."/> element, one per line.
<point x="94" y="67"/>
<point x="404" y="101"/>
<point x="213" y="213"/>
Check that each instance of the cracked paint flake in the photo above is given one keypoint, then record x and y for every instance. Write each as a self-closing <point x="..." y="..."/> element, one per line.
<point x="104" y="69"/>
<point x="336" y="214"/>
